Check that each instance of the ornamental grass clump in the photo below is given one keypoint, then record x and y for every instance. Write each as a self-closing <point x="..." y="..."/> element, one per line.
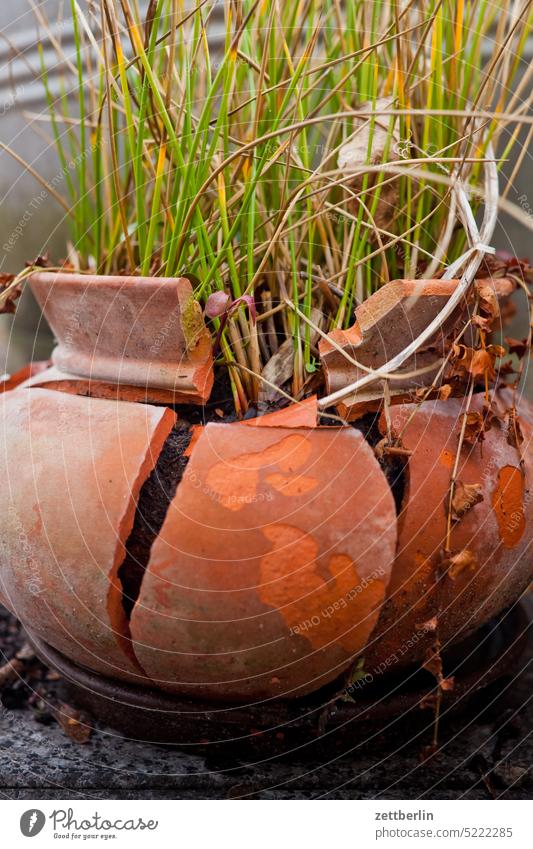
<point x="293" y="157"/>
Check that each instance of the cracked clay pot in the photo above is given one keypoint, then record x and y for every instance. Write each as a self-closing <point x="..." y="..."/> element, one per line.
<point x="242" y="561"/>
<point x="267" y="568"/>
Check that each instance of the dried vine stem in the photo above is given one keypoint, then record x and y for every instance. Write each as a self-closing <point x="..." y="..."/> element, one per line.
<point x="470" y="260"/>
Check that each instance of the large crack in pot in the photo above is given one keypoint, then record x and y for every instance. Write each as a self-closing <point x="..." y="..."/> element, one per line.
<point x="262" y="544"/>
<point x="395" y="467"/>
<point x="154" y="500"/>
<point x="160" y="487"/>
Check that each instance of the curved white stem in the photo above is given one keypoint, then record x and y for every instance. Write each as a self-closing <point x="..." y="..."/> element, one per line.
<point x="470" y="260"/>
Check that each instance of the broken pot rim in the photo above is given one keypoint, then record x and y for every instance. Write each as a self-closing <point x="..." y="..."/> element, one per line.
<point x="111" y="281"/>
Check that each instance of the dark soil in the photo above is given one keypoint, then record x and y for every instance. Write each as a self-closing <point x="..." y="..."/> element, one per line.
<point x="156" y="494"/>
<point x="394" y="468"/>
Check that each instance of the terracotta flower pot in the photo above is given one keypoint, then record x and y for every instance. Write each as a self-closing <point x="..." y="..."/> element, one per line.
<point x="248" y="560"/>
<point x="135" y="338"/>
<point x="276" y="557"/>
<point x="267" y="575"/>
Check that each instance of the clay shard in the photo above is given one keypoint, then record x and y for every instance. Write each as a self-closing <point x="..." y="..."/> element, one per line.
<point x="151" y="345"/>
<point x="302" y="414"/>
<point x="271" y="566"/>
<point x="23" y="375"/>
<point x="72" y="476"/>
<point x="385" y="323"/>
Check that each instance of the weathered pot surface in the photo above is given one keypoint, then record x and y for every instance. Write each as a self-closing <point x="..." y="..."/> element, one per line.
<point x="72" y="469"/>
<point x="278" y="558"/>
<point x="271" y="566"/>
<point x="141" y="338"/>
<point x="266" y="578"/>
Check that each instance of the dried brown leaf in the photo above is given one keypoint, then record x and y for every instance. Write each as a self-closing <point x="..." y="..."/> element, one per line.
<point x="484" y="360"/>
<point x="73" y="723"/>
<point x="354" y="153"/>
<point x="457" y="563"/>
<point x="465" y="496"/>
<point x="428" y="752"/>
<point x="372" y="144"/>
<point x="480" y="363"/>
<point x="429" y="701"/>
<point x="430" y="626"/>
<point x="9" y="293"/>
<point x="433" y="662"/>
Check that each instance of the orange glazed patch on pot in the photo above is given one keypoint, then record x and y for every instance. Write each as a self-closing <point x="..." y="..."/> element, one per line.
<point x="508" y="504"/>
<point x="235" y="481"/>
<point x="291" y="583"/>
<point x="291" y="485"/>
<point x="226" y="589"/>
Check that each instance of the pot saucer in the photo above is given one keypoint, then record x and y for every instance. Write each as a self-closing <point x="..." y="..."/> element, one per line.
<point x="376" y="709"/>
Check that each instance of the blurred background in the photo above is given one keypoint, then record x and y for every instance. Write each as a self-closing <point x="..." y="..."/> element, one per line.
<point x="38" y="223"/>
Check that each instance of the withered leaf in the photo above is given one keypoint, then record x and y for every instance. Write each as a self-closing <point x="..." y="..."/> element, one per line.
<point x="429" y="701"/>
<point x="465" y="496"/>
<point x="431" y="625"/>
<point x="457" y="563"/>
<point x="16" y="667"/>
<point x="40" y="261"/>
<point x="8" y="293"/>
<point x="482" y="322"/>
<point x="462" y="356"/>
<point x="373" y="142"/>
<point x="502" y="264"/>
<point x="428" y="752"/>
<point x="490" y="415"/>
<point x="488" y="302"/>
<point x="477" y="362"/>
<point x="73" y="723"/>
<point x="475" y="427"/>
<point x="517" y="346"/>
